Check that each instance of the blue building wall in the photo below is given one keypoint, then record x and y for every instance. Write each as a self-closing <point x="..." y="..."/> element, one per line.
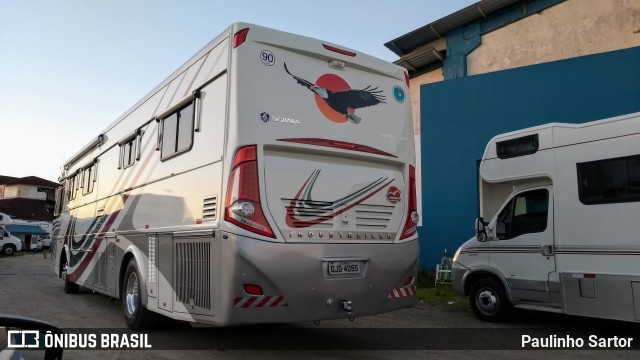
<point x="459" y="117"/>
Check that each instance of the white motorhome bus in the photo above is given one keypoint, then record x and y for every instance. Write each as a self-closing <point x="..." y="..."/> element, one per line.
<point x="563" y="202"/>
<point x="269" y="179"/>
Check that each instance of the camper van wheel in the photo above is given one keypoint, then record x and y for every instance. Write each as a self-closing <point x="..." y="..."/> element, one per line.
<point x="69" y="287"/>
<point x="9" y="249"/>
<point x="489" y="300"/>
<point x="136" y="316"/>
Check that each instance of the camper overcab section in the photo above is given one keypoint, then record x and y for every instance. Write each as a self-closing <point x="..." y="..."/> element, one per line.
<point x="558" y="226"/>
<point x="269" y="179"/>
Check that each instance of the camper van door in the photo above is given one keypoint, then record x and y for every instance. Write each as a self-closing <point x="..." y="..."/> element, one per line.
<point x="521" y="243"/>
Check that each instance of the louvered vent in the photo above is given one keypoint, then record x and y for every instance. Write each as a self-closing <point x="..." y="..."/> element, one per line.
<point x="100" y="271"/>
<point x="373" y="217"/>
<point x="210" y="208"/>
<point x="193" y="274"/>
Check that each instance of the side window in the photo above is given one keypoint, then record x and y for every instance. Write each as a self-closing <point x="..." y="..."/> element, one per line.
<point x="130" y="149"/>
<point x="59" y="201"/>
<point x="88" y="179"/>
<point x="73" y="184"/>
<point x="128" y="153"/>
<point x="609" y="181"/>
<point x="526" y="213"/>
<point x="177" y="132"/>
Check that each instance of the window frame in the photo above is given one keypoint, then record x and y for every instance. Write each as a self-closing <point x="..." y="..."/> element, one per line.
<point x="581" y="175"/>
<point x="501" y="145"/>
<point x="511" y="204"/>
<point x="88" y="185"/>
<point x="193" y="104"/>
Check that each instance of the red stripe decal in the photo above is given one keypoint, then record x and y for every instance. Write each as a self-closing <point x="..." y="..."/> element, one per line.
<point x="249" y="302"/>
<point x="277" y="301"/>
<point x="264" y="301"/>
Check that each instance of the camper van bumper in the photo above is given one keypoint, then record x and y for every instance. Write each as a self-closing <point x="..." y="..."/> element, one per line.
<point x="458" y="275"/>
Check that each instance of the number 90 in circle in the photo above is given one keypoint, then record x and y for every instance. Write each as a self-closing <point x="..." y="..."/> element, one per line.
<point x="267" y="57"/>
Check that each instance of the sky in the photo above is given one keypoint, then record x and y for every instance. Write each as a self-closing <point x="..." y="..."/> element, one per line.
<point x="69" y="68"/>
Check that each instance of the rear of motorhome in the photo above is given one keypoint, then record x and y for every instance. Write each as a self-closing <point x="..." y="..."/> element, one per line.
<point x="562" y="204"/>
<point x="271" y="178"/>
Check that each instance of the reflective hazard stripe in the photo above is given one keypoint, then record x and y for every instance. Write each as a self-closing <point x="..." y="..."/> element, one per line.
<point x="402" y="292"/>
<point x="259" y="301"/>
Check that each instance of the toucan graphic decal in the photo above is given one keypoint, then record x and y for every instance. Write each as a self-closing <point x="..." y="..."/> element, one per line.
<point x="304" y="212"/>
<point x="335" y="98"/>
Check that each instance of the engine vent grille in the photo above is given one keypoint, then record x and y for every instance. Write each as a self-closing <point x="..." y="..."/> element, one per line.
<point x="210" y="208"/>
<point x="100" y="271"/>
<point x="193" y="274"/>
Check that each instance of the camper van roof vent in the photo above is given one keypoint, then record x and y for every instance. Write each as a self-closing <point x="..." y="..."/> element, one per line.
<point x="521" y="146"/>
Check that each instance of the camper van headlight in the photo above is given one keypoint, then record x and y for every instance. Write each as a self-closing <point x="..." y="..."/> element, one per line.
<point x="455" y="256"/>
<point x="243" y="208"/>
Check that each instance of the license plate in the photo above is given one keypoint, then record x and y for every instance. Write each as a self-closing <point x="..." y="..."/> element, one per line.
<point x="344" y="267"/>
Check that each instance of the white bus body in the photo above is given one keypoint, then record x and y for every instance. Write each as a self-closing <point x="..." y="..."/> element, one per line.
<point x="563" y="236"/>
<point x="269" y="179"/>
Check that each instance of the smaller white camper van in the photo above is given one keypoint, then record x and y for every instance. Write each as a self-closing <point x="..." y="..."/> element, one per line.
<point x="561" y="203"/>
<point x="9" y="244"/>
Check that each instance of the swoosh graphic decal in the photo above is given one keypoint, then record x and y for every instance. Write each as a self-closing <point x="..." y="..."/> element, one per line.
<point x="326" y="210"/>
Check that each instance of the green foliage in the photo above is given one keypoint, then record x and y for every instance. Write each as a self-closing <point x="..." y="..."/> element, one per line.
<point x="440" y="294"/>
<point x="425" y="278"/>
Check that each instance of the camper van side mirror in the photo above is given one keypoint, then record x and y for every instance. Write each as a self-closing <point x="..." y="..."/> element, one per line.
<point x="481" y="229"/>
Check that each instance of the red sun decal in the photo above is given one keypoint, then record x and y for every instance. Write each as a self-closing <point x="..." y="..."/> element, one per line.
<point x="334" y="83"/>
<point x="393" y="195"/>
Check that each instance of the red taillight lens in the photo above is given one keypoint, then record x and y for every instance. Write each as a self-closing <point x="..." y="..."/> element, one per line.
<point x="243" y="207"/>
<point x="240" y="37"/>
<point x="406" y="79"/>
<point x="252" y="289"/>
<point x="411" y="224"/>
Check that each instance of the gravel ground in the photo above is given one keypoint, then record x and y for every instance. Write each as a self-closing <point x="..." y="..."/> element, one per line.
<point x="28" y="287"/>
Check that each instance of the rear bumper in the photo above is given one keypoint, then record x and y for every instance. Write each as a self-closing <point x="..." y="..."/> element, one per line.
<point x="296" y="286"/>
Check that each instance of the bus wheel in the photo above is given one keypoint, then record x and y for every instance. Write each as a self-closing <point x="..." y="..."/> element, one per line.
<point x="69" y="287"/>
<point x="136" y="315"/>
<point x="489" y="301"/>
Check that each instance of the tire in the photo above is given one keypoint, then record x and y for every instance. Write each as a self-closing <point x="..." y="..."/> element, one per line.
<point x="69" y="287"/>
<point x="136" y="316"/>
<point x="9" y="249"/>
<point x="489" y="301"/>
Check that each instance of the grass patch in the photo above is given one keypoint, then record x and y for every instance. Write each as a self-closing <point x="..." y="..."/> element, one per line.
<point x="440" y="294"/>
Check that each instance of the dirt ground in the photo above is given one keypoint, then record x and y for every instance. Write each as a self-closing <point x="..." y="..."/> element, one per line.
<point x="28" y="287"/>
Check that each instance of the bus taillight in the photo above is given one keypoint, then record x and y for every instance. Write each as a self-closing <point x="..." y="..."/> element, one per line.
<point x="243" y="207"/>
<point x="411" y="224"/>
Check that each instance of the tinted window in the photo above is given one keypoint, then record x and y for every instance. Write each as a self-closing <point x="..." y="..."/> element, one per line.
<point x="526" y="213"/>
<point x="609" y="181"/>
<point x="177" y="132"/>
<point x="88" y="179"/>
<point x="525" y="145"/>
<point x="129" y="153"/>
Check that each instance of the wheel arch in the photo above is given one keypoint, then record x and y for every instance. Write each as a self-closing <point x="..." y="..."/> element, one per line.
<point x="133" y="253"/>
<point x="485" y="273"/>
